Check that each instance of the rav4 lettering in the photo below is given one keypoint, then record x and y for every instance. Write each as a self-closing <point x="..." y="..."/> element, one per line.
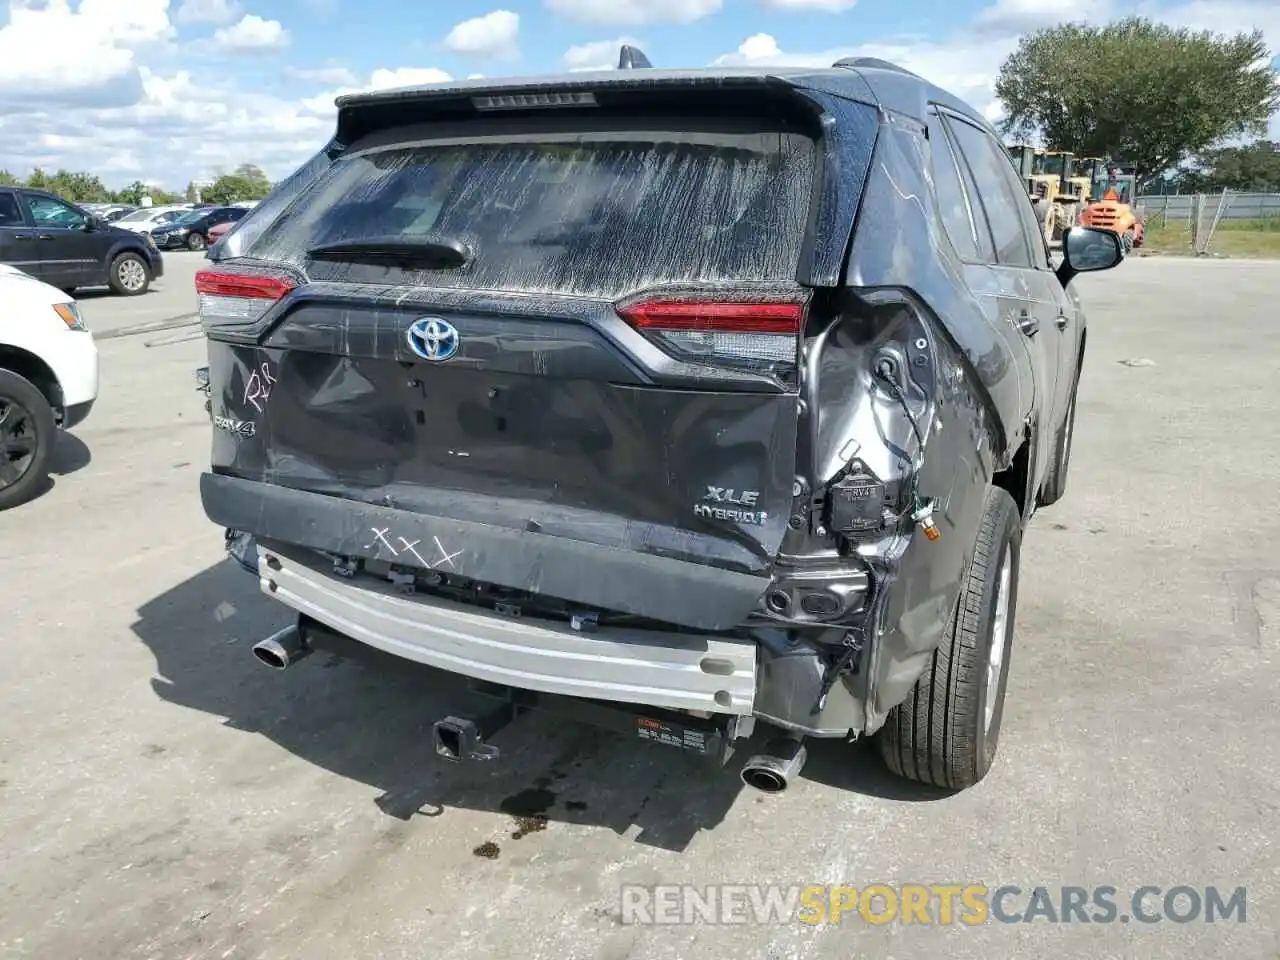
<point x="240" y="428"/>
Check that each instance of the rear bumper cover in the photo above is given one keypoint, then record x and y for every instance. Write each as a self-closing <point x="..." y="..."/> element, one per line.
<point x="674" y="591"/>
<point x="767" y="672"/>
<point x="671" y="670"/>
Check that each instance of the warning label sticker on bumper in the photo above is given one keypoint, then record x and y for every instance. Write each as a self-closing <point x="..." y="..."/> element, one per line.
<point x="671" y="734"/>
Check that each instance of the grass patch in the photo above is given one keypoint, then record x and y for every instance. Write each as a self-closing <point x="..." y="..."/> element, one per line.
<point x="1233" y="238"/>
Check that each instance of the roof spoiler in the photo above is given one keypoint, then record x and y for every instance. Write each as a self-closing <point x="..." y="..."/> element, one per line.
<point x="870" y="63"/>
<point x="632" y="58"/>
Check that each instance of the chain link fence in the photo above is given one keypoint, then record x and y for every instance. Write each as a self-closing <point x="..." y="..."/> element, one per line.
<point x="1200" y="219"/>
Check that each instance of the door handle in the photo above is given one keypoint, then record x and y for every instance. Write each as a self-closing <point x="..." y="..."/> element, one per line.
<point x="1028" y="324"/>
<point x="45" y="236"/>
<point x="1062" y="321"/>
<point x="22" y="236"/>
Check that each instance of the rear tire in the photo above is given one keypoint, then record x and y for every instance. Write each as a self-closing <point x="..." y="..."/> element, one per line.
<point x="1127" y="242"/>
<point x="196" y="242"/>
<point x="130" y="276"/>
<point x="946" y="732"/>
<point x="27" y="435"/>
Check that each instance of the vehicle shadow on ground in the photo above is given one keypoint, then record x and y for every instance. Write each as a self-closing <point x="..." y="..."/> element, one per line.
<point x="105" y="293"/>
<point x="69" y="455"/>
<point x="370" y="720"/>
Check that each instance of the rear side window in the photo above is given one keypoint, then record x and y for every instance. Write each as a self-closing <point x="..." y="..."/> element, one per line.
<point x="964" y="225"/>
<point x="10" y="215"/>
<point x="586" y="212"/>
<point x="997" y="189"/>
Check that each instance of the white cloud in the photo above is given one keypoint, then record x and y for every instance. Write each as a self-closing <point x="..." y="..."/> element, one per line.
<point x="492" y="35"/>
<point x="1019" y="16"/>
<point x="207" y="11"/>
<point x="322" y="104"/>
<point x="966" y="64"/>
<point x="821" y="6"/>
<point x="178" y="128"/>
<point x="636" y="11"/>
<point x="96" y="52"/>
<point x="329" y="76"/>
<point x="251" y="33"/>
<point x="966" y="69"/>
<point x="103" y="105"/>
<point x="406" y="77"/>
<point x="600" y="55"/>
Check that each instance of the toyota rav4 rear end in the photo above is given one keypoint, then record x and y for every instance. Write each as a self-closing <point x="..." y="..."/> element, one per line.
<point x="559" y="386"/>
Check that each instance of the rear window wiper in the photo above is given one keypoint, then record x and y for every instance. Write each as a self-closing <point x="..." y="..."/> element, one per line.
<point x="429" y="252"/>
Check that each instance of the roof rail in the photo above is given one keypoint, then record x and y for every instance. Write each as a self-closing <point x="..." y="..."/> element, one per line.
<point x="631" y="58"/>
<point x="870" y="63"/>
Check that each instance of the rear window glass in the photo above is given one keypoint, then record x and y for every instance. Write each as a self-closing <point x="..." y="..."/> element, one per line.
<point x="592" y="213"/>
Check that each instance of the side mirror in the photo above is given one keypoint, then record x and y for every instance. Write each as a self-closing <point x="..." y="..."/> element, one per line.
<point x="93" y="222"/>
<point x="1088" y="250"/>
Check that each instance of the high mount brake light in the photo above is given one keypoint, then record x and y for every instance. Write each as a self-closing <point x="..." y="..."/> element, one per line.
<point x="232" y="300"/>
<point x="732" y="332"/>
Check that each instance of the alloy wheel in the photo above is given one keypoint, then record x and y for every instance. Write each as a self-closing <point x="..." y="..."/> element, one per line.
<point x="17" y="441"/>
<point x="999" y="633"/>
<point x="133" y="276"/>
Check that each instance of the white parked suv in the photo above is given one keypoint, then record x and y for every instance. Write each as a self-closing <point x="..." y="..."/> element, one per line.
<point x="48" y="379"/>
<point x="150" y="218"/>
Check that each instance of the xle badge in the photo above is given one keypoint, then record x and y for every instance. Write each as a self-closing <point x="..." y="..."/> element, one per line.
<point x="736" y="506"/>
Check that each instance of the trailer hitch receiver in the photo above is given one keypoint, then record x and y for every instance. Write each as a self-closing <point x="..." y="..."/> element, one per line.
<point x="458" y="739"/>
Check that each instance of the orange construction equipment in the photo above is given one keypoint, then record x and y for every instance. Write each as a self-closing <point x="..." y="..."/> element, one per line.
<point x="1115" y="212"/>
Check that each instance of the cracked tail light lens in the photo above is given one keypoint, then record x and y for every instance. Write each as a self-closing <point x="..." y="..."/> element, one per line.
<point x="753" y="334"/>
<point x="234" y="301"/>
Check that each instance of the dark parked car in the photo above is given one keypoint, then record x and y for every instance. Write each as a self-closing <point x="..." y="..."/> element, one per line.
<point x="192" y="231"/>
<point x="68" y="247"/>
<point x="691" y="403"/>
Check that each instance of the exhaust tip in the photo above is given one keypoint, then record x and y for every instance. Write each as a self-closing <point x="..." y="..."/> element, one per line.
<point x="282" y="649"/>
<point x="773" y="771"/>
<point x="271" y="654"/>
<point x="764" y="779"/>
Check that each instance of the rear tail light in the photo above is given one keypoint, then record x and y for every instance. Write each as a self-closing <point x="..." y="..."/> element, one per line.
<point x="233" y="300"/>
<point x="744" y="333"/>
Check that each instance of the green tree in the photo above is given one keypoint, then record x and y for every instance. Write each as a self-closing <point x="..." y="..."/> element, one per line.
<point x="248" y="182"/>
<point x="1254" y="167"/>
<point x="8" y="179"/>
<point x="132" y="194"/>
<point x="1144" y="93"/>
<point x="192" y="194"/>
<point x="78" y="187"/>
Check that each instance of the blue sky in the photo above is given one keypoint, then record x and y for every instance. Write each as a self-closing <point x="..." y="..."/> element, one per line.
<point x="172" y="90"/>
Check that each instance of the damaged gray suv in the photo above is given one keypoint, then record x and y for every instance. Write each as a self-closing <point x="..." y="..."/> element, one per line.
<point x="706" y="405"/>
